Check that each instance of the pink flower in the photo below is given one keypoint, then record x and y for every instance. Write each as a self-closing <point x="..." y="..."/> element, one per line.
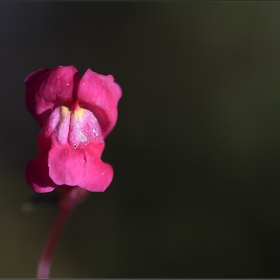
<point x="75" y="115"/>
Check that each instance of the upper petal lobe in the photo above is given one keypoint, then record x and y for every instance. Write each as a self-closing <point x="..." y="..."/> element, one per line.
<point x="100" y="94"/>
<point x="48" y="89"/>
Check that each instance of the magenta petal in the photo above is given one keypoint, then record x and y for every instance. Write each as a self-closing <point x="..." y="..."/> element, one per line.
<point x="100" y="94"/>
<point x="47" y="89"/>
<point x="56" y="128"/>
<point x="79" y="167"/>
<point x="32" y="77"/>
<point x="98" y="174"/>
<point x="37" y="174"/>
<point x="84" y="129"/>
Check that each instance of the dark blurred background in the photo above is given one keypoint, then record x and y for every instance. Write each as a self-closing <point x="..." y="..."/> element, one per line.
<point x="196" y="150"/>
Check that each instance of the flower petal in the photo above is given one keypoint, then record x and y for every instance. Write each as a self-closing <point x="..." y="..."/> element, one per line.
<point x="56" y="128"/>
<point x="100" y="94"/>
<point x="84" y="128"/>
<point x="48" y="89"/>
<point x="79" y="167"/>
<point x="37" y="174"/>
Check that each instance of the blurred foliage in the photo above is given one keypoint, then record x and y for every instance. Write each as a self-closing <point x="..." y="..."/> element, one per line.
<point x="195" y="151"/>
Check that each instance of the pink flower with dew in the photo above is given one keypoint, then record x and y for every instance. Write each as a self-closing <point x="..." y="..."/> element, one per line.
<point x="75" y="114"/>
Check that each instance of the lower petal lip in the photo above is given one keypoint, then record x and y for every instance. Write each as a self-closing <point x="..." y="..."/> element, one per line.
<point x="79" y="167"/>
<point x="37" y="174"/>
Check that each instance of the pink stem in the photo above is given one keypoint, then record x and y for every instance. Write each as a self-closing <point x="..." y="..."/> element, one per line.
<point x="44" y="265"/>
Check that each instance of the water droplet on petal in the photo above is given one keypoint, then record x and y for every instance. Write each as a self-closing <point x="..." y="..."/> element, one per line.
<point x="95" y="132"/>
<point x="83" y="138"/>
<point x="67" y="84"/>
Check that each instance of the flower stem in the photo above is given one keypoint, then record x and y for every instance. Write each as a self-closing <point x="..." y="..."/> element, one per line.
<point x="69" y="198"/>
<point x="44" y="265"/>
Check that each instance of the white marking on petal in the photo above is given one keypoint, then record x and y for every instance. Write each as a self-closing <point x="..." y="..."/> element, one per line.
<point x="83" y="138"/>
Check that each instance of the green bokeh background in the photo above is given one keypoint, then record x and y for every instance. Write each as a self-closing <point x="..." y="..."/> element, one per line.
<point x="196" y="150"/>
